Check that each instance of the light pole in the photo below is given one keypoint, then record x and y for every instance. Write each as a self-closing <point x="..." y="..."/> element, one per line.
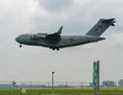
<point x="53" y="79"/>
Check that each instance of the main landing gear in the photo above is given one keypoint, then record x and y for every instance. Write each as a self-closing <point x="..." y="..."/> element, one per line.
<point x="55" y="49"/>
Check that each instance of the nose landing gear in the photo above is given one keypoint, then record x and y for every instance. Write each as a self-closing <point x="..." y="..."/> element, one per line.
<point x="20" y="46"/>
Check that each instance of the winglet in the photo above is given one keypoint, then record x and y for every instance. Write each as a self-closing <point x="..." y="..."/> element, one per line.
<point x="56" y="33"/>
<point x="60" y="30"/>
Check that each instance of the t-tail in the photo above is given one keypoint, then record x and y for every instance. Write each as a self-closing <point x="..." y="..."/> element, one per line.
<point x="101" y="27"/>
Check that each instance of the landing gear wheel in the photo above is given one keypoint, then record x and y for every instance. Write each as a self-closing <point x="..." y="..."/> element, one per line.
<point x="58" y="49"/>
<point x="53" y="48"/>
<point x="20" y="46"/>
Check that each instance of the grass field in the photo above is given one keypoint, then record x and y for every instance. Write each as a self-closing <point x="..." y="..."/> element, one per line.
<point x="60" y="91"/>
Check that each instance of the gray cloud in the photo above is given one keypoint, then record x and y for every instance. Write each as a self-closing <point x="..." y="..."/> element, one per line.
<point x="56" y="5"/>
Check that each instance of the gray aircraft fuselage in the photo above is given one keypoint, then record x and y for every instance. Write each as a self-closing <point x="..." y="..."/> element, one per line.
<point x="64" y="41"/>
<point x="57" y="41"/>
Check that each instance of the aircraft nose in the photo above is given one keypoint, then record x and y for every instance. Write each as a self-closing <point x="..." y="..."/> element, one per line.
<point x="20" y="39"/>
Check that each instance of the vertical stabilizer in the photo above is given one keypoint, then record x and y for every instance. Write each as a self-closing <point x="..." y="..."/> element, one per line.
<point x="101" y="26"/>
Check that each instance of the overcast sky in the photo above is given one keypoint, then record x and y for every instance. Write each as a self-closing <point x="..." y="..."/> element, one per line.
<point x="70" y="64"/>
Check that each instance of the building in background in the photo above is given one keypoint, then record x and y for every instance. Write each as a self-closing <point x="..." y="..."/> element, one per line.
<point x="120" y="83"/>
<point x="108" y="83"/>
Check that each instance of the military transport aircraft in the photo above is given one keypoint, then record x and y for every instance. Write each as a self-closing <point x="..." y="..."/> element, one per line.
<point x="57" y="41"/>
